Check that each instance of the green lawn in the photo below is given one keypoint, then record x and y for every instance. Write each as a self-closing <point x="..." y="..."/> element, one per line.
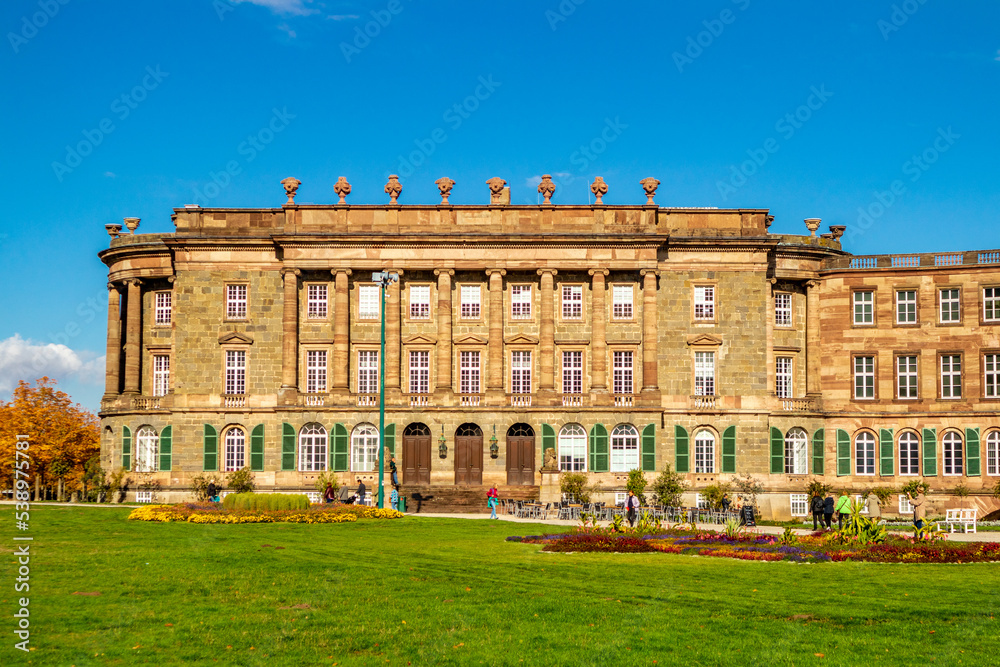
<point x="451" y="591"/>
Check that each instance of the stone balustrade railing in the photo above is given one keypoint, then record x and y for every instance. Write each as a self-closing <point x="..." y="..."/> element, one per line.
<point x="234" y="400"/>
<point x="703" y="402"/>
<point x="520" y="400"/>
<point x="966" y="258"/>
<point x="572" y="400"/>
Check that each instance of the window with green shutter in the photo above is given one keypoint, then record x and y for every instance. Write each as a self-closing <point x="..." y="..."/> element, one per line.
<point x="287" y="447"/>
<point x="777" y="451"/>
<point x="548" y="440"/>
<point x="887" y="462"/>
<point x="681" y="456"/>
<point x="599" y="458"/>
<point x="649" y="448"/>
<point x="390" y="440"/>
<point x="257" y="448"/>
<point x="166" y="448"/>
<point x="126" y="448"/>
<point x="729" y="450"/>
<point x="972" y="462"/>
<point x="340" y="448"/>
<point x="843" y="452"/>
<point x="211" y="440"/>
<point x="930" y="452"/>
<point x="819" y="443"/>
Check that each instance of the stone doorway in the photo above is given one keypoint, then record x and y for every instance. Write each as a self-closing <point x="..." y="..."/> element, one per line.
<point x="417" y="454"/>
<point x="469" y="455"/>
<point x="520" y="455"/>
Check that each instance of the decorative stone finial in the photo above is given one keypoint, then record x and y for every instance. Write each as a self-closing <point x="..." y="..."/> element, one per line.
<point x="114" y="230"/>
<point x="547" y="188"/>
<point x="768" y="219"/>
<point x="497" y="185"/>
<point x="445" y="185"/>
<point x="393" y="188"/>
<point x="132" y="224"/>
<point x="812" y="224"/>
<point x="342" y="188"/>
<point x="291" y="187"/>
<point x="649" y="186"/>
<point x="837" y="231"/>
<point x="599" y="188"/>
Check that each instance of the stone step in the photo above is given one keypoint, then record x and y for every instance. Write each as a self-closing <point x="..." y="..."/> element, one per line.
<point x="459" y="499"/>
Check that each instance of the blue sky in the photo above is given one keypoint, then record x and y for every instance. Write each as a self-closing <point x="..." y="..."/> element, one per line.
<point x="118" y="109"/>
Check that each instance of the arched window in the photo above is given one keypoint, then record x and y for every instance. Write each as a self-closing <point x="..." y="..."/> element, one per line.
<point x="624" y="448"/>
<point x="796" y="452"/>
<point x="704" y="451"/>
<point x="993" y="453"/>
<point x="312" y="448"/>
<point x="364" y="448"/>
<point x="573" y="448"/>
<point x="909" y="453"/>
<point x="951" y="446"/>
<point x="864" y="454"/>
<point x="236" y="450"/>
<point x="147" y="448"/>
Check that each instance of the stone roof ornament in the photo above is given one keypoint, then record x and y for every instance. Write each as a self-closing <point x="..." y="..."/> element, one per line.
<point x="599" y="188"/>
<point x="342" y="188"/>
<point x="649" y="186"/>
<point x="114" y="230"/>
<point x="768" y="219"/>
<point x="497" y="185"/>
<point x="132" y="224"/>
<point x="547" y="188"/>
<point x="445" y="185"/>
<point x="393" y="188"/>
<point x="291" y="186"/>
<point x="812" y="224"/>
<point x="837" y="231"/>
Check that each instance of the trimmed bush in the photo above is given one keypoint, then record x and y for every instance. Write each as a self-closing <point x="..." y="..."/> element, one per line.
<point x="266" y="501"/>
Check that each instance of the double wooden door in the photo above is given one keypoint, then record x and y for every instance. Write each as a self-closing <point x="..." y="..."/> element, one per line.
<point x="520" y="460"/>
<point x="417" y="459"/>
<point x="469" y="460"/>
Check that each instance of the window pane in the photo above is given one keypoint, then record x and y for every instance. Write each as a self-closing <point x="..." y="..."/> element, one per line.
<point x="316" y="301"/>
<point x="906" y="306"/>
<point x="470" y="302"/>
<point x="864" y="454"/>
<point x="572" y="382"/>
<point x="520" y="305"/>
<point x="783" y="377"/>
<point x="161" y="374"/>
<point x="419" y="372"/>
<point x="704" y="303"/>
<point x="624" y="448"/>
<point x="573" y="448"/>
<point x="704" y="452"/>
<point x="622" y="372"/>
<point x="621" y="297"/>
<point x="236" y="364"/>
<point x="520" y="372"/>
<point x="783" y="310"/>
<point x="420" y="302"/>
<point x="704" y="373"/>
<point x="864" y="303"/>
<point x="315" y="371"/>
<point x="906" y="377"/>
<point x="368" y="371"/>
<point x="368" y="302"/>
<point x="235" y="449"/>
<point x="163" y="309"/>
<point x="236" y="302"/>
<point x="572" y="302"/>
<point x="469" y="372"/>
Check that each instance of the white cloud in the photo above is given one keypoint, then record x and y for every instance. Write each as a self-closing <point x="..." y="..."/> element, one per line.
<point x="293" y="7"/>
<point x="110" y="174"/>
<point x="22" y="359"/>
<point x="532" y="182"/>
<point x="342" y="17"/>
<point x="284" y="27"/>
<point x="998" y="55"/>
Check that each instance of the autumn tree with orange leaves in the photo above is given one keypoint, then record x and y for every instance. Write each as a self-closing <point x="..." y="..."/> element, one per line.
<point x="63" y="435"/>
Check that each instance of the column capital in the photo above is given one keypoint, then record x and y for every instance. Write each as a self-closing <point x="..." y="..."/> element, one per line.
<point x="334" y="272"/>
<point x="490" y="272"/>
<point x="171" y="279"/>
<point x="773" y="281"/>
<point x="448" y="272"/>
<point x="112" y="286"/>
<point x="594" y="272"/>
<point x="812" y="283"/>
<point x="542" y="272"/>
<point x="288" y="269"/>
<point x="132" y="282"/>
<point x="643" y="272"/>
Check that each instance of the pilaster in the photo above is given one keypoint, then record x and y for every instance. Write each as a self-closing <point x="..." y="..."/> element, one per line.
<point x="444" y="313"/>
<point x="288" y="393"/>
<point x="112" y="367"/>
<point x="133" y="335"/>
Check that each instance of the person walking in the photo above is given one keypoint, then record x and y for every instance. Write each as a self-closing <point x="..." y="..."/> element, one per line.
<point x="394" y="498"/>
<point x="492" y="500"/>
<point x="828" y="504"/>
<point x="328" y="495"/>
<point x="843" y="507"/>
<point x="631" y="507"/>
<point x="361" y="492"/>
<point x="392" y="471"/>
<point x="919" y="505"/>
<point x="726" y="503"/>
<point x="817" y="512"/>
<point x="874" y="506"/>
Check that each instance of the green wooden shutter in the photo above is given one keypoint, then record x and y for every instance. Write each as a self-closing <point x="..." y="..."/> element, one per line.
<point x="548" y="439"/>
<point x="729" y="450"/>
<point x="972" y="465"/>
<point x="843" y="453"/>
<point x="287" y="447"/>
<point x="211" y="448"/>
<point x="599" y="459"/>
<point x="819" y="444"/>
<point x="126" y="448"/>
<point x="888" y="464"/>
<point x="390" y="439"/>
<point x="166" y="448"/>
<point x="930" y="452"/>
<point x="681" y="457"/>
<point x="777" y="451"/>
<point x="257" y="448"/>
<point x="340" y="448"/>
<point x="649" y="448"/>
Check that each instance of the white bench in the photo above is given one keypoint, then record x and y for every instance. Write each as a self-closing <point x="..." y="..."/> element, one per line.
<point x="966" y="518"/>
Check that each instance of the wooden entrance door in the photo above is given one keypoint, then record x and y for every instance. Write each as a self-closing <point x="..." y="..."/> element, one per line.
<point x="468" y="455"/>
<point x="417" y="454"/>
<point x="520" y="455"/>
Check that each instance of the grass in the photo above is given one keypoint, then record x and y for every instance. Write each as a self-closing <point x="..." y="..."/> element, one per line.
<point x="452" y="592"/>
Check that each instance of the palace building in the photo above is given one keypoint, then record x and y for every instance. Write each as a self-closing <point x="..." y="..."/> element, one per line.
<point x="522" y="341"/>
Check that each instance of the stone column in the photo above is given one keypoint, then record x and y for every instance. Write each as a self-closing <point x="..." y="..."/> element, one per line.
<point x="649" y="331"/>
<point x="114" y="350"/>
<point x="393" y="309"/>
<point x="341" y="329"/>
<point x="812" y="339"/>
<point x="546" y="341"/>
<point x="290" y="336"/>
<point x="495" y="377"/>
<point x="599" y="319"/>
<point x="133" y="335"/>
<point x="444" y="379"/>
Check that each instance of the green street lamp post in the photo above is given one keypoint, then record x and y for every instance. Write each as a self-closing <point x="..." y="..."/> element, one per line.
<point x="384" y="279"/>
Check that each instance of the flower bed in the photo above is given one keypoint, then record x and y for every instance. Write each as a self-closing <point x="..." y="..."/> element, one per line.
<point x="215" y="513"/>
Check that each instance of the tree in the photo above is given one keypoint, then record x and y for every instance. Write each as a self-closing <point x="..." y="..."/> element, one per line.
<point x="58" y="430"/>
<point x="637" y="484"/>
<point x="668" y="487"/>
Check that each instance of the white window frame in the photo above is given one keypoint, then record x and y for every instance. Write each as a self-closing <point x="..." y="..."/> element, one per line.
<point x="624" y="448"/>
<point x="420" y="371"/>
<point x="368" y="372"/>
<point x="951" y="376"/>
<point x="420" y="302"/>
<point x="470" y="371"/>
<point x="993" y="453"/>
<point x="783" y="378"/>
<point x="783" y="309"/>
<point x="317" y="301"/>
<point x="520" y="371"/>
<point x="572" y="371"/>
<point x="906" y="306"/>
<point x="860" y="499"/>
<point x="864" y="308"/>
<point x="147" y="450"/>
<point x="236" y="372"/>
<point x="991" y="304"/>
<point x="471" y="306"/>
<point x="904" y="504"/>
<point x="908" y="448"/>
<point x="520" y="302"/>
<point x="796" y="452"/>
<point x="236" y="301"/>
<point x="991" y="375"/>
<point x="622" y="297"/>
<point x="369" y="302"/>
<point x="907" y="387"/>
<point x="701" y="502"/>
<point x="143" y="496"/>
<point x="799" y="503"/>
<point x="164" y="308"/>
<point x="704" y="373"/>
<point x="952" y="454"/>
<point x="953" y="312"/>
<point x="704" y="302"/>
<point x="622" y="371"/>
<point x="572" y="302"/>
<point x="704" y="452"/>
<point x="364" y="448"/>
<point x="314" y="443"/>
<point x="572" y="448"/>
<point x="234" y="452"/>
<point x="161" y="374"/>
<point x="316" y="366"/>
<point x="865" y="445"/>
<point x="864" y="377"/>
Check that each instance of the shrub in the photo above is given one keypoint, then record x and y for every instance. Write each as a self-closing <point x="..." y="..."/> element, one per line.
<point x="241" y="481"/>
<point x="883" y="493"/>
<point x="266" y="501"/>
<point x="574" y="484"/>
<point x="961" y="490"/>
<point x="199" y="484"/>
<point x="913" y="485"/>
<point x="327" y="477"/>
<point x="713" y="493"/>
<point x="668" y="487"/>
<point x="748" y="487"/>
<point x="818" y="488"/>
<point x="636" y="484"/>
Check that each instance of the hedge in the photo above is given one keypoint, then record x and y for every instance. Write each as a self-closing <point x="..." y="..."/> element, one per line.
<point x="266" y="501"/>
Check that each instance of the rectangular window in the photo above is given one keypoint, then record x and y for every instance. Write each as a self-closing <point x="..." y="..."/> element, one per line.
<point x="572" y="372"/>
<point x="906" y="307"/>
<point x="236" y="372"/>
<point x="420" y="371"/>
<point x="864" y="378"/>
<point x="991" y="375"/>
<point x="864" y="308"/>
<point x="520" y="372"/>
<point x="704" y="373"/>
<point x="236" y="302"/>
<point x="991" y="304"/>
<point x="161" y="374"/>
<point x="469" y="372"/>
<point x="470" y="296"/>
<point x="316" y="302"/>
<point x="951" y="376"/>
<point x="622" y="369"/>
<point x="572" y="302"/>
<point x="621" y="302"/>
<point x="704" y="303"/>
<point x="800" y="504"/>
<point x="520" y="302"/>
<point x="904" y="505"/>
<point x="163" y="309"/>
<point x="783" y="377"/>
<point x="368" y="302"/>
<point x="420" y="302"/>
<point x="950" y="306"/>
<point x="906" y="377"/>
<point x="782" y="310"/>
<point x="367" y="371"/>
<point x="909" y="454"/>
<point x="316" y="371"/>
